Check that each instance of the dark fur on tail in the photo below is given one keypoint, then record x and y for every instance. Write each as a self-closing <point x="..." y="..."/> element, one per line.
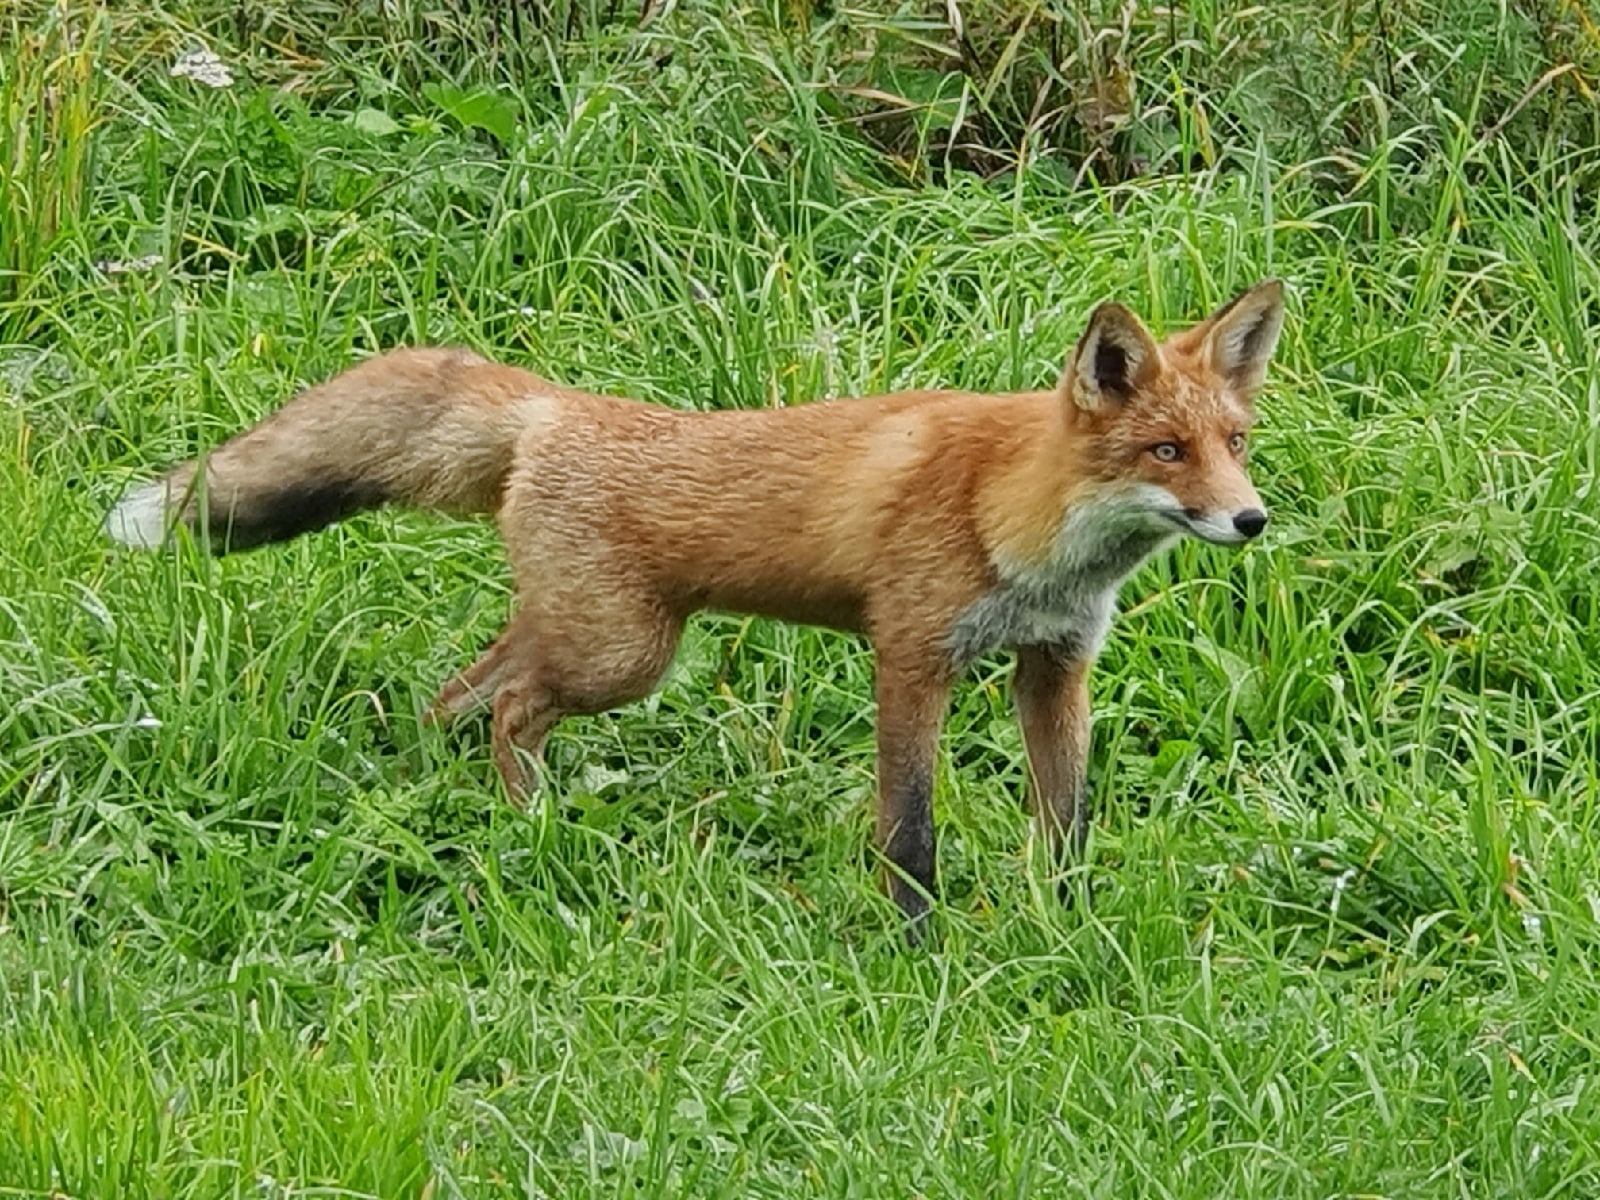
<point x="303" y="506"/>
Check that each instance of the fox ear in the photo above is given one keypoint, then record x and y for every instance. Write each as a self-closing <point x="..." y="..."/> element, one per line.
<point x="1243" y="334"/>
<point x="1114" y="358"/>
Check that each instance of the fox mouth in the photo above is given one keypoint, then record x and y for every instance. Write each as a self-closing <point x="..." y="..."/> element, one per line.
<point x="1207" y="531"/>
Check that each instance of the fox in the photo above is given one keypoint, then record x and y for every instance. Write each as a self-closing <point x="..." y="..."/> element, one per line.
<point x="943" y="525"/>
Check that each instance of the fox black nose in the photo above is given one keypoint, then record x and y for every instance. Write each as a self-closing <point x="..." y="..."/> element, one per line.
<point x="1250" y="522"/>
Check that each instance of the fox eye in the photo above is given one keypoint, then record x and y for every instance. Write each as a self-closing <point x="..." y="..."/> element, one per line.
<point x="1167" y="452"/>
<point x="1236" y="443"/>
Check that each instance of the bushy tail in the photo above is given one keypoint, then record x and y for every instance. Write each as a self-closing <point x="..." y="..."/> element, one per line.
<point x="432" y="428"/>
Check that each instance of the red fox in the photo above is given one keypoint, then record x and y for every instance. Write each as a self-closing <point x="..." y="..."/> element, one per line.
<point x="941" y="524"/>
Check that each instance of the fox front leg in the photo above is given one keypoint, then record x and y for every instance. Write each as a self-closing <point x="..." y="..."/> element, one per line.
<point x="1051" y="690"/>
<point x="911" y="706"/>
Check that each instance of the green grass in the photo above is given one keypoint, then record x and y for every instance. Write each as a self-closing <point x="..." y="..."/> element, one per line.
<point x="262" y="934"/>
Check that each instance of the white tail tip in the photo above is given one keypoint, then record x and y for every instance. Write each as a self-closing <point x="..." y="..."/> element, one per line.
<point x="140" y="518"/>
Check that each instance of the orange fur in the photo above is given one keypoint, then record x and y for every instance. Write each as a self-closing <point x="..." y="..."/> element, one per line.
<point x="941" y="524"/>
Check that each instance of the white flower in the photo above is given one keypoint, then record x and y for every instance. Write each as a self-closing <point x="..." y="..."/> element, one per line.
<point x="130" y="266"/>
<point x="1339" y="886"/>
<point x="202" y="66"/>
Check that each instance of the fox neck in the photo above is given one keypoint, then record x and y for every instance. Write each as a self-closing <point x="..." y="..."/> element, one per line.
<point x="1061" y="543"/>
<point x="1067" y="598"/>
<point x="1101" y="539"/>
<point x="1064" y="527"/>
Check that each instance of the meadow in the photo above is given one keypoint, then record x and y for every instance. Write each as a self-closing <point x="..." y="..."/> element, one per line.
<point x="263" y="934"/>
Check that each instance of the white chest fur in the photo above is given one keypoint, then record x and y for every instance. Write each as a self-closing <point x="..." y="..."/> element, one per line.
<point x="1070" y="600"/>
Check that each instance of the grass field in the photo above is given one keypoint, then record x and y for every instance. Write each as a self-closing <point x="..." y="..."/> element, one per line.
<point x="263" y="935"/>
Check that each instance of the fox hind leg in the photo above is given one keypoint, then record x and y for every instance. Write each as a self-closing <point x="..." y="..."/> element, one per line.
<point x="479" y="683"/>
<point x="505" y="678"/>
<point x="524" y="715"/>
<point x="552" y="663"/>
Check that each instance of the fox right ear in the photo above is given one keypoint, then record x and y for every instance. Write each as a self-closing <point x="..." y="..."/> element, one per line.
<point x="1114" y="358"/>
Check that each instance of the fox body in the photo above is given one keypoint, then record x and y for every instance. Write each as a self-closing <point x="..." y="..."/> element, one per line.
<point x="941" y="524"/>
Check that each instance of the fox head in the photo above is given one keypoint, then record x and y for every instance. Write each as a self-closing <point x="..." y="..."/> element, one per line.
<point x="1166" y="425"/>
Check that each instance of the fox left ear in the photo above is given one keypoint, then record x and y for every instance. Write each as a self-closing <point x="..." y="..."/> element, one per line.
<point x="1243" y="334"/>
